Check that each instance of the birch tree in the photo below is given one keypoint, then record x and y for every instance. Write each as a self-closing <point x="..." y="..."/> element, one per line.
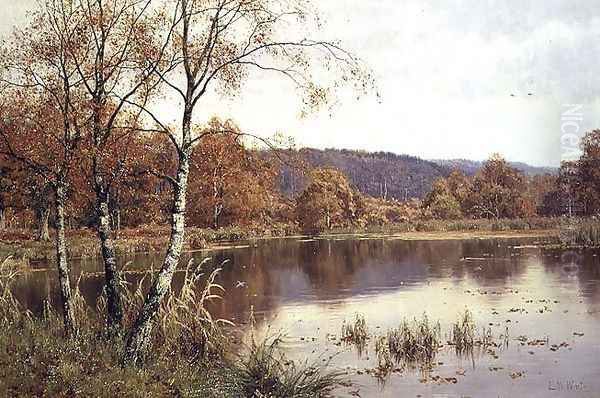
<point x="116" y="65"/>
<point x="220" y="44"/>
<point x="40" y="116"/>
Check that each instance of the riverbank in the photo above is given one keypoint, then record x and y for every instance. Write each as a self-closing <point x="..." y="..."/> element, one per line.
<point x="454" y="235"/>
<point x="153" y="239"/>
<point x="191" y="355"/>
<point x="83" y="243"/>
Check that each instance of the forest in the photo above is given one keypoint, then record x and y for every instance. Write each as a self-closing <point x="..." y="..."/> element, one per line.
<point x="234" y="184"/>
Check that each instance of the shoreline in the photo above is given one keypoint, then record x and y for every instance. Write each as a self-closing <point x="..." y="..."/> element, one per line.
<point x="84" y="247"/>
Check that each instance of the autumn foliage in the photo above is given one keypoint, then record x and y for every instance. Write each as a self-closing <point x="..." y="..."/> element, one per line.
<point x="235" y="183"/>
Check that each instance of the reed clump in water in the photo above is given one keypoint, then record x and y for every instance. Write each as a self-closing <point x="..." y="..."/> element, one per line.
<point x="415" y="342"/>
<point x="385" y="363"/>
<point x="356" y="333"/>
<point x="462" y="336"/>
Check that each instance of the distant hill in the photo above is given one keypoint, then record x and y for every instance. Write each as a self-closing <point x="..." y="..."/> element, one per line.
<point x="385" y="174"/>
<point x="471" y="167"/>
<point x="378" y="174"/>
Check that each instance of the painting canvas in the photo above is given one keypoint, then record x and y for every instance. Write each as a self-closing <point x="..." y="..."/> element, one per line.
<point x="299" y="198"/>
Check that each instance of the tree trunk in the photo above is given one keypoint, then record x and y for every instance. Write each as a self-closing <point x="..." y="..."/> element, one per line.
<point x="117" y="220"/>
<point x="43" y="233"/>
<point x="114" y="301"/>
<point x="2" y="218"/>
<point x="114" y="305"/>
<point x="141" y="333"/>
<point x="62" y="264"/>
<point x="218" y="208"/>
<point x="385" y="189"/>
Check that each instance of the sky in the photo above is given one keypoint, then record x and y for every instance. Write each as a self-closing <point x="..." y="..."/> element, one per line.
<point x="454" y="78"/>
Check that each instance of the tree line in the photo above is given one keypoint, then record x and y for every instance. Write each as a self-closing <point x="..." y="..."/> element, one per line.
<point x="232" y="183"/>
<point x="499" y="190"/>
<point x="496" y="191"/>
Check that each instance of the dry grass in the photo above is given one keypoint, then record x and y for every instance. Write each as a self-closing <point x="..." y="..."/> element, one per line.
<point x="185" y="319"/>
<point x="265" y="372"/>
<point x="191" y="356"/>
<point x="517" y="224"/>
<point x="10" y="309"/>
<point x="581" y="233"/>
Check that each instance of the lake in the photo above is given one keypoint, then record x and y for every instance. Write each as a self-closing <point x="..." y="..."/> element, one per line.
<point x="542" y="304"/>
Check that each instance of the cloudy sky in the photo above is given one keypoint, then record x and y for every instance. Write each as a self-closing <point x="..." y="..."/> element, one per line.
<point x="454" y="76"/>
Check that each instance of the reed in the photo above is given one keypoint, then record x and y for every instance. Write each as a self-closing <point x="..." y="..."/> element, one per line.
<point x="385" y="364"/>
<point x="463" y="332"/>
<point x="356" y="333"/>
<point x="415" y="342"/>
<point x="185" y="319"/>
<point x="10" y="309"/>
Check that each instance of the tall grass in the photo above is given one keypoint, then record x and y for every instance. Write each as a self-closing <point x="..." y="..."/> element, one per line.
<point x="185" y="319"/>
<point x="265" y="372"/>
<point x="191" y="356"/>
<point x="581" y="233"/>
<point x="10" y="309"/>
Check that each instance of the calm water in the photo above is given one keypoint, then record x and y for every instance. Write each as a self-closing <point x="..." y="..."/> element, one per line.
<point x="306" y="289"/>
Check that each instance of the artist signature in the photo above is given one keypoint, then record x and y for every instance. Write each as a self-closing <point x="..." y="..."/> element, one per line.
<point x="567" y="385"/>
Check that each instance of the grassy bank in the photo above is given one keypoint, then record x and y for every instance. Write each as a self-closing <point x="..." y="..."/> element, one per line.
<point x="83" y="243"/>
<point x="36" y="361"/>
<point x="465" y="225"/>
<point x="193" y="355"/>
